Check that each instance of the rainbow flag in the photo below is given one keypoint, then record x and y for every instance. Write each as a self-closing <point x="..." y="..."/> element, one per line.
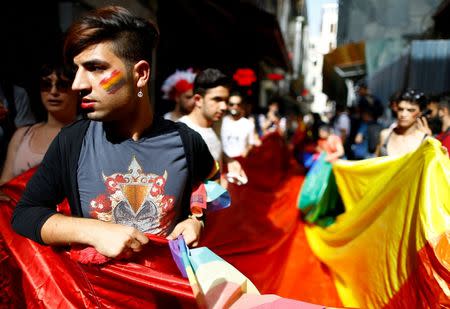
<point x="217" y="284"/>
<point x="390" y="249"/>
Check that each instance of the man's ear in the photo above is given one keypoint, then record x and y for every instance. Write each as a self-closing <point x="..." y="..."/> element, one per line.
<point x="198" y="100"/>
<point x="141" y="73"/>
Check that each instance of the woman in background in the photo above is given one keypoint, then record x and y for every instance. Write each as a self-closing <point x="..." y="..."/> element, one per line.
<point x="29" y="144"/>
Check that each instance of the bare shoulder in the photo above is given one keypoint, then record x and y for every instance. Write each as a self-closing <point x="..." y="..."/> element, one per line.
<point x="384" y="134"/>
<point x="19" y="133"/>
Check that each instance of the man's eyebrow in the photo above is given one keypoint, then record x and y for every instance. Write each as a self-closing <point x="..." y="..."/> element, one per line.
<point x="94" y="62"/>
<point x="218" y="97"/>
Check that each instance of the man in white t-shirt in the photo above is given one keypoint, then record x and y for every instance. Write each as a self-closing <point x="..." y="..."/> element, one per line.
<point x="211" y="93"/>
<point x="237" y="132"/>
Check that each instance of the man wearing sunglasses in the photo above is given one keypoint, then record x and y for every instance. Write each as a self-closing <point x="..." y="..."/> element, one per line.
<point x="237" y="131"/>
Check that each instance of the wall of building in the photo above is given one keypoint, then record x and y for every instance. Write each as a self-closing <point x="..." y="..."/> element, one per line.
<point x="377" y="19"/>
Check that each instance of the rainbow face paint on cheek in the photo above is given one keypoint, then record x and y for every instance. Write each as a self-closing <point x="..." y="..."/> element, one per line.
<point x="113" y="83"/>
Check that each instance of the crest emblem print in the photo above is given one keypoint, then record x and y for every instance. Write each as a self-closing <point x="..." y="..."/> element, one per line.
<point x="132" y="190"/>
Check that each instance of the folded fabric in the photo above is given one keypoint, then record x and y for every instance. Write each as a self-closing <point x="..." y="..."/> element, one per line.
<point x="319" y="200"/>
<point x="390" y="249"/>
<point x="89" y="255"/>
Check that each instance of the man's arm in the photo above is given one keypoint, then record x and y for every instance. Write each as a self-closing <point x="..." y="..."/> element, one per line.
<point x="383" y="135"/>
<point x="35" y="215"/>
<point x="109" y="239"/>
<point x="203" y="166"/>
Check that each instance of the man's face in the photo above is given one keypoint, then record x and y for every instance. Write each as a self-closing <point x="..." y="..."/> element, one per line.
<point x="433" y="107"/>
<point x="186" y="101"/>
<point x="443" y="113"/>
<point x="105" y="84"/>
<point x="235" y="106"/>
<point x="407" y="114"/>
<point x="214" y="103"/>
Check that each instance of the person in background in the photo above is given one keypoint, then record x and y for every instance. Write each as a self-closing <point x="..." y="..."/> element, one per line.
<point x="433" y="119"/>
<point x="390" y="117"/>
<point x="211" y="94"/>
<point x="272" y="121"/>
<point x="237" y="132"/>
<point x="29" y="143"/>
<point x="15" y="112"/>
<point x="178" y="88"/>
<point x="408" y="134"/>
<point x="124" y="171"/>
<point x="329" y="143"/>
<point x="444" y="116"/>
<point x="367" y="102"/>
<point x="342" y="125"/>
<point x="367" y="137"/>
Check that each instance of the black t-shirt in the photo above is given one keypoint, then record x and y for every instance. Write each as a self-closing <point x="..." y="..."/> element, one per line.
<point x="136" y="183"/>
<point x="57" y="176"/>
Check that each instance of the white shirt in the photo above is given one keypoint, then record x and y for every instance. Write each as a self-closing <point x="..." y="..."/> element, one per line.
<point x="209" y="136"/>
<point x="236" y="135"/>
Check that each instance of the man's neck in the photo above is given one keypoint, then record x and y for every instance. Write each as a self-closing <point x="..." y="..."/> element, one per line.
<point x="236" y="117"/>
<point x="176" y="114"/>
<point x="196" y="117"/>
<point x="406" y="130"/>
<point x="136" y="124"/>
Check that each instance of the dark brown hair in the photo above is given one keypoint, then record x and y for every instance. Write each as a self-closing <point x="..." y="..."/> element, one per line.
<point x="414" y="97"/>
<point x="208" y="79"/>
<point x="133" y="38"/>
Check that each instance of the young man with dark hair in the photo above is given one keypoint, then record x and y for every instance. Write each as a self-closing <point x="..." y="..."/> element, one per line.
<point x="211" y="94"/>
<point x="124" y="171"/>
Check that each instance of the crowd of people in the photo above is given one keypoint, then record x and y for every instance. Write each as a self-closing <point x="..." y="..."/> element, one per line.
<point x="118" y="146"/>
<point x="367" y="130"/>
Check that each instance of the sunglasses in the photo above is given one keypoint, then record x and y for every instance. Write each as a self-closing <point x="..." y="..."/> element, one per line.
<point x="62" y="85"/>
<point x="412" y="95"/>
<point x="233" y="104"/>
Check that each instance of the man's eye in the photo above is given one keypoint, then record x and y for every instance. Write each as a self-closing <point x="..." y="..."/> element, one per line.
<point x="94" y="68"/>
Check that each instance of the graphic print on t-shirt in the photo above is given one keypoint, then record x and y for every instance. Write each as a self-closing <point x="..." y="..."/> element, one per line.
<point x="135" y="198"/>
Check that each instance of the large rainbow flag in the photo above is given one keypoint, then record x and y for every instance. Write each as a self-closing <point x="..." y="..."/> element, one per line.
<point x="260" y="235"/>
<point x="390" y="249"/>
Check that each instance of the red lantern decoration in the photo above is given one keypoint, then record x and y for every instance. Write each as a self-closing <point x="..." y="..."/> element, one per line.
<point x="244" y="77"/>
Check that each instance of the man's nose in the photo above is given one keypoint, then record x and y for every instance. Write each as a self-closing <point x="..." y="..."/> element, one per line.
<point x="223" y="106"/>
<point x="80" y="81"/>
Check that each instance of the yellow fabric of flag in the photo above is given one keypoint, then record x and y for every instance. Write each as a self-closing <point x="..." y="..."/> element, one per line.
<point x="396" y="207"/>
